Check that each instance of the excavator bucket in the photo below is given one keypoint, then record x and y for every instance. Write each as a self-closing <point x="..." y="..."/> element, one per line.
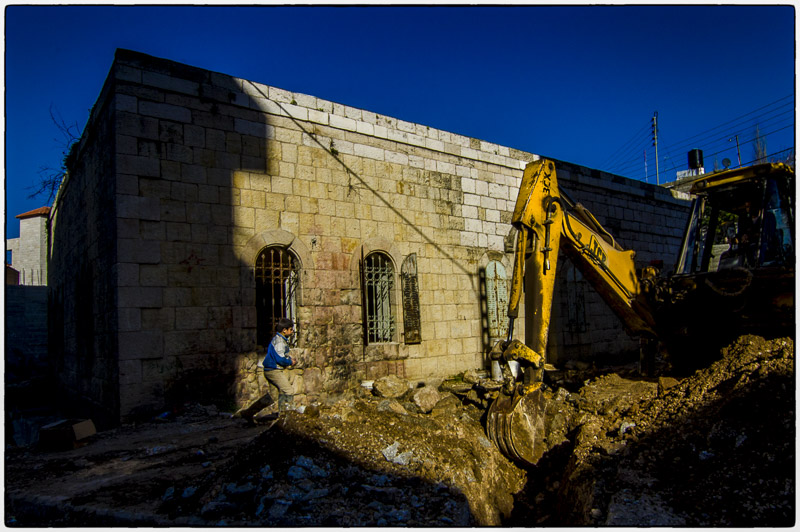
<point x="516" y="425"/>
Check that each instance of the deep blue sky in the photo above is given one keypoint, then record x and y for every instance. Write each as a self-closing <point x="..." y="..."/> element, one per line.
<point x="577" y="83"/>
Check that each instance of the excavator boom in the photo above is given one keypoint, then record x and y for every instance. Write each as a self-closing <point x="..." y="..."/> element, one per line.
<point x="735" y="273"/>
<point x="547" y="221"/>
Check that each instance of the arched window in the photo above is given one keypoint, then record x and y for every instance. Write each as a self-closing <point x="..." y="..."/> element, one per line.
<point x="377" y="274"/>
<point x="277" y="277"/>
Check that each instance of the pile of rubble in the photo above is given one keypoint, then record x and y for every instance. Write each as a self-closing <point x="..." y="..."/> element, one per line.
<point x="713" y="449"/>
<point x="389" y="456"/>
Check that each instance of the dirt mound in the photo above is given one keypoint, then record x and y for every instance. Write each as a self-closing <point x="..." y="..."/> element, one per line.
<point x="714" y="449"/>
<point x="361" y="463"/>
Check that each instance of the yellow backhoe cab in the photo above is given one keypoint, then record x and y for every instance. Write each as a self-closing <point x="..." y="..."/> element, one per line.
<point x="735" y="271"/>
<point x="734" y="275"/>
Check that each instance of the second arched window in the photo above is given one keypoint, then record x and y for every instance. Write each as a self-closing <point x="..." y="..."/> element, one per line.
<point x="378" y="284"/>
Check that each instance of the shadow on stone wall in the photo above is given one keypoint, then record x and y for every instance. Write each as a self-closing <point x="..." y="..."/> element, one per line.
<point x="30" y="383"/>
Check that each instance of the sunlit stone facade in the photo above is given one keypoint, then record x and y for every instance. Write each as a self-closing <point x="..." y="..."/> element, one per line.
<point x="184" y="177"/>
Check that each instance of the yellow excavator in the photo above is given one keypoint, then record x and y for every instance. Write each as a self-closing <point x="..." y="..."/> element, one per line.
<point x="734" y="275"/>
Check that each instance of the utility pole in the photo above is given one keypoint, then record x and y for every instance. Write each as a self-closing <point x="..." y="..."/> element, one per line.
<point x="738" y="153"/>
<point x="655" y="142"/>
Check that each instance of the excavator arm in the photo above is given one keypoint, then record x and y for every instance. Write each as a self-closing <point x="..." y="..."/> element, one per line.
<point x="547" y="221"/>
<point x="738" y="247"/>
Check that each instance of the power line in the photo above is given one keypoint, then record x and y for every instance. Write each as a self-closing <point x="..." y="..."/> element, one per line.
<point x="632" y="151"/>
<point x="749" y="140"/>
<point x="615" y="155"/>
<point x="742" y="116"/>
<point x="633" y="169"/>
<point x="627" y="159"/>
<point x="759" y="120"/>
<point x="722" y="144"/>
<point x="705" y="134"/>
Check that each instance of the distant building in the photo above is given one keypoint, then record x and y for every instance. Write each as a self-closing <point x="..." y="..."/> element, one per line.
<point x="25" y="301"/>
<point x="200" y="207"/>
<point x="685" y="178"/>
<point x="29" y="250"/>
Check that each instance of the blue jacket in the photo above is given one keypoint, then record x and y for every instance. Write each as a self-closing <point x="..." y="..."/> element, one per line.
<point x="276" y="353"/>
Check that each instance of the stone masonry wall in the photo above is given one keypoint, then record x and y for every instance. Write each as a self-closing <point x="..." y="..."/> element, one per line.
<point x="209" y="169"/>
<point x="82" y="272"/>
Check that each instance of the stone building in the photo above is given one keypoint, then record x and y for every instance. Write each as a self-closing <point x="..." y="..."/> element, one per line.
<point x="29" y="250"/>
<point x="199" y="207"/>
<point x="25" y="299"/>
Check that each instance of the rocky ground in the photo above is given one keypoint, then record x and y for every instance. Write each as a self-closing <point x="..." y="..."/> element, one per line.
<point x="712" y="449"/>
<point x="716" y="448"/>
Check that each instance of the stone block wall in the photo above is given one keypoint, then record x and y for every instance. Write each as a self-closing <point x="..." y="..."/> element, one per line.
<point x="208" y="169"/>
<point x="82" y="274"/>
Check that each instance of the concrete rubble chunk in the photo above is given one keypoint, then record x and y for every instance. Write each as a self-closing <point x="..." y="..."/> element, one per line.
<point x="665" y="383"/>
<point x="447" y="405"/>
<point x="403" y="458"/>
<point x="279" y="508"/>
<point x="304" y="462"/>
<point x="309" y="466"/>
<point x="297" y="473"/>
<point x="391" y="405"/>
<point x="425" y="398"/>
<point x="391" y="454"/>
<point x="471" y="376"/>
<point x="390" y="386"/>
<point x="236" y="490"/>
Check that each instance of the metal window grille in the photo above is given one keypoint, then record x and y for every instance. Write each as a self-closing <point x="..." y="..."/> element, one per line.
<point x="497" y="300"/>
<point x="277" y="275"/>
<point x="410" y="290"/>
<point x="378" y="279"/>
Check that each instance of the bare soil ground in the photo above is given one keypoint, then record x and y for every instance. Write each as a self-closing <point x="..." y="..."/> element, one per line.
<point x="716" y="448"/>
<point x="712" y="449"/>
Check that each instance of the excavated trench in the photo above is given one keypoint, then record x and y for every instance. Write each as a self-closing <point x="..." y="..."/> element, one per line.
<point x="715" y="448"/>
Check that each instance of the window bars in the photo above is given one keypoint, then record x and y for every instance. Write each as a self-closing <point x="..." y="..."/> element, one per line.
<point x="378" y="282"/>
<point x="277" y="276"/>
